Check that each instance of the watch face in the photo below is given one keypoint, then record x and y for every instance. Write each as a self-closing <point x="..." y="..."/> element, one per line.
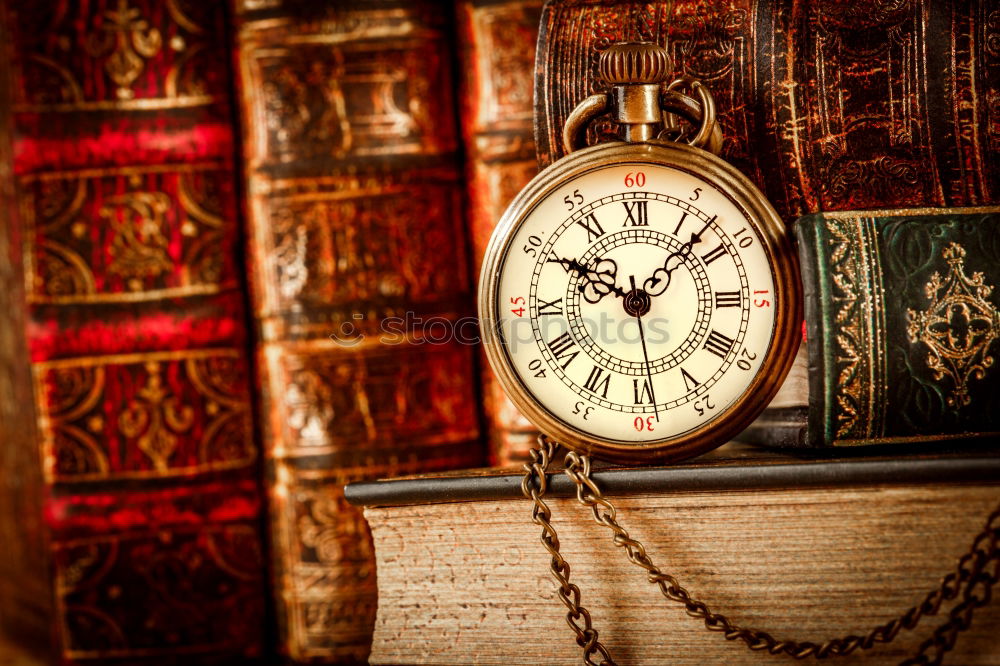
<point x="635" y="303"/>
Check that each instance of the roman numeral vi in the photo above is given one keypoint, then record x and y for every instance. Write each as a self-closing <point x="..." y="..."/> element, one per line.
<point x="643" y="395"/>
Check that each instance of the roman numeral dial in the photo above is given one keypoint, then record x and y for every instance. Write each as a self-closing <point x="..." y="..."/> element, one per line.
<point x="638" y="259"/>
<point x="626" y="311"/>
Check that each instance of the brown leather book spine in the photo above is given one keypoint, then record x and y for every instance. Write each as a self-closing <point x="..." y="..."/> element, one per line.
<point x="130" y="509"/>
<point x="361" y="289"/>
<point x="825" y="105"/>
<point x="496" y="55"/>
<point x="26" y="602"/>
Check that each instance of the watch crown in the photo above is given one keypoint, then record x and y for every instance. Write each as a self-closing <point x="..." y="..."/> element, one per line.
<point x="635" y="63"/>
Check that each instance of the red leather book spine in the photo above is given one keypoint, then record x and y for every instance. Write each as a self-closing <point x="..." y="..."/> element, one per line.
<point x="496" y="55"/>
<point x="140" y="463"/>
<point x="826" y="105"/>
<point x="361" y="287"/>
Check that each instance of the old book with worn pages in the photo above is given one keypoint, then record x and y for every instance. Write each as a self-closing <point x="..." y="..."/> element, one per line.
<point x="801" y="546"/>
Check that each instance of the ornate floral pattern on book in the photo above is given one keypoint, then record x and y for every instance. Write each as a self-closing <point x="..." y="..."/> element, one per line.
<point x="312" y="259"/>
<point x="355" y="406"/>
<point x="187" y="412"/>
<point x="355" y="215"/>
<point x="148" y="593"/>
<point x="496" y="117"/>
<point x="903" y="320"/>
<point x="131" y="55"/>
<point x="131" y="345"/>
<point x="825" y="105"/>
<point x="129" y="234"/>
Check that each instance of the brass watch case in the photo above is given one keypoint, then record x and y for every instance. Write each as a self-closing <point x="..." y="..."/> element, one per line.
<point x="787" y="301"/>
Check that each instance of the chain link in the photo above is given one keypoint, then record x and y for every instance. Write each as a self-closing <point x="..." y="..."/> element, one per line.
<point x="973" y="578"/>
<point x="533" y="485"/>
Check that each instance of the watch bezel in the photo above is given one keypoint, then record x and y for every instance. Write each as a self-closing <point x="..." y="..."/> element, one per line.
<point x="781" y="258"/>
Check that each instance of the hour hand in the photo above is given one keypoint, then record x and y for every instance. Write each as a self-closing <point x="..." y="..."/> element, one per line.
<point x="598" y="280"/>
<point x="658" y="282"/>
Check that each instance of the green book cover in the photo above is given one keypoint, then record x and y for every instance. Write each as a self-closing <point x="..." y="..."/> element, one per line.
<point x="902" y="324"/>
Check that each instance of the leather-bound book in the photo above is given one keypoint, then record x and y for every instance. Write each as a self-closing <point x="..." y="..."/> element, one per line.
<point x="902" y="329"/>
<point x="129" y="502"/>
<point x="497" y="56"/>
<point x="825" y="105"/>
<point x="361" y="286"/>
<point x="803" y="546"/>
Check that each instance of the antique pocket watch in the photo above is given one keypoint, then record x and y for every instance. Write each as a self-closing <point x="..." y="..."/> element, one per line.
<point x="639" y="299"/>
<point x="640" y="302"/>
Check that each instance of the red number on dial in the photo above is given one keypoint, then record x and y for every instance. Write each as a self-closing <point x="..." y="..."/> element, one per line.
<point x="643" y="423"/>
<point x="636" y="180"/>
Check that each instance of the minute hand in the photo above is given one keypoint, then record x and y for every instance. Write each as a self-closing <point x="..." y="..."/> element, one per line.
<point x="658" y="282"/>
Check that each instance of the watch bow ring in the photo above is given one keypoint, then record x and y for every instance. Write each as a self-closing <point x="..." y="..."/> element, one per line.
<point x="640" y="103"/>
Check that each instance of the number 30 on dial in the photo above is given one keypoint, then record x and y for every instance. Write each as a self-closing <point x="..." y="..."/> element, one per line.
<point x="640" y="301"/>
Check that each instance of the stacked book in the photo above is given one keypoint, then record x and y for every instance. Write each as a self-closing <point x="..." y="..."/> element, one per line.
<point x="804" y="547"/>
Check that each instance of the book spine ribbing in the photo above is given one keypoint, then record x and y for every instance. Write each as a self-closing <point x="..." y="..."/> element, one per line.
<point x="810" y="112"/>
<point x="361" y="288"/>
<point x="126" y="227"/>
<point x="496" y="57"/>
<point x="816" y="303"/>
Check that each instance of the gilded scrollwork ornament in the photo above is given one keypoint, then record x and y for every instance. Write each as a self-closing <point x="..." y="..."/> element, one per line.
<point x="156" y="418"/>
<point x="958" y="326"/>
<point x="139" y="245"/>
<point x="128" y="38"/>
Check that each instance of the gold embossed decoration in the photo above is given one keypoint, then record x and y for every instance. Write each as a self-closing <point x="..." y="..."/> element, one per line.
<point x="190" y="414"/>
<point x="129" y="234"/>
<point x="157" y="418"/>
<point x="120" y="55"/>
<point x="139" y="246"/>
<point x="128" y="38"/>
<point x="958" y="326"/>
<point x="857" y="294"/>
